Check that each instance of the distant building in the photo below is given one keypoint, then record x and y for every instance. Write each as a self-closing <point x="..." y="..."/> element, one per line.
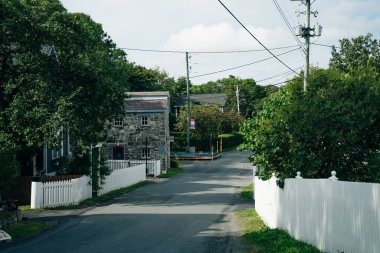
<point x="144" y="130"/>
<point x="201" y="99"/>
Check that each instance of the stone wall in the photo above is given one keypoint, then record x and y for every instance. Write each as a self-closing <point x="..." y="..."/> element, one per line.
<point x="132" y="136"/>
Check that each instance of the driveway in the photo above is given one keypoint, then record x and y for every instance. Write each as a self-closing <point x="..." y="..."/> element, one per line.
<point x="191" y="212"/>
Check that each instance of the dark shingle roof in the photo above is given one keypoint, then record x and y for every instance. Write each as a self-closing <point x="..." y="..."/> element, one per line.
<point x="215" y="99"/>
<point x="146" y="105"/>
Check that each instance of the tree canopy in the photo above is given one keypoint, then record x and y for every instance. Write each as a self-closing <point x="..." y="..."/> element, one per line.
<point x="335" y="125"/>
<point x="210" y="122"/>
<point x="56" y="69"/>
<point x="357" y="56"/>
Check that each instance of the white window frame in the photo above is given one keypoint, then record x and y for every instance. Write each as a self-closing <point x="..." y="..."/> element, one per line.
<point x="144" y="151"/>
<point x="118" y="121"/>
<point x="57" y="153"/>
<point x="145" y="121"/>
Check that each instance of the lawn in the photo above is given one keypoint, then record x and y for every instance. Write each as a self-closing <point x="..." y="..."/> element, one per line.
<point x="246" y="192"/>
<point x="171" y="172"/>
<point x="24" y="229"/>
<point x="262" y="239"/>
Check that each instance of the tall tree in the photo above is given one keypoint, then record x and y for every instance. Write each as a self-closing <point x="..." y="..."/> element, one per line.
<point x="356" y="56"/>
<point x="333" y="126"/>
<point x="57" y="69"/>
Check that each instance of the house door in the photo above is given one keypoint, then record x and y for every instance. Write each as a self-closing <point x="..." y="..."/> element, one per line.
<point x="118" y="153"/>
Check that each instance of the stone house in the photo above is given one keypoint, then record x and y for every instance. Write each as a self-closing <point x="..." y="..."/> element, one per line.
<point x="143" y="132"/>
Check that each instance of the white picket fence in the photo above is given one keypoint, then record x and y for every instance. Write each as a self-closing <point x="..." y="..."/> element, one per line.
<point x="154" y="166"/>
<point x="334" y="216"/>
<point x="60" y="193"/>
<point x="71" y="192"/>
<point x="123" y="178"/>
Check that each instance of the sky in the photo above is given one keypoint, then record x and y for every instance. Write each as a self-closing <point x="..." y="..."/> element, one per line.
<point x="200" y="26"/>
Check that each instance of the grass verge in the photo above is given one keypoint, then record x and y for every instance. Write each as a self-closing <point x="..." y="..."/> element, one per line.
<point x="262" y="239"/>
<point x="24" y="229"/>
<point x="171" y="172"/>
<point x="246" y="192"/>
<point x="112" y="194"/>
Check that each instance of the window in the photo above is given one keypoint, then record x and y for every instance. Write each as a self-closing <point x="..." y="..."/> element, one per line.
<point x="145" y="153"/>
<point x="58" y="152"/>
<point x="118" y="121"/>
<point x="144" y="121"/>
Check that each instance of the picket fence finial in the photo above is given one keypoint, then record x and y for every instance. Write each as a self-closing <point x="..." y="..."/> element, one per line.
<point x="333" y="176"/>
<point x="299" y="175"/>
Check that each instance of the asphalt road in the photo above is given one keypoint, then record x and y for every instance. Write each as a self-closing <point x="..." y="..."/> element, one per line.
<point x="191" y="212"/>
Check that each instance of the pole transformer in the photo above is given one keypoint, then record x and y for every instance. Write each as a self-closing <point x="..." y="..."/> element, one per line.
<point x="305" y="32"/>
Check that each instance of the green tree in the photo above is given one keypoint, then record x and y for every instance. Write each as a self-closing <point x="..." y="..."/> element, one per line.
<point x="210" y="122"/>
<point x="356" y="56"/>
<point x="335" y="125"/>
<point x="57" y="69"/>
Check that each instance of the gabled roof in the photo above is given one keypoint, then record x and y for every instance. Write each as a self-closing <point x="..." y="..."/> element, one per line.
<point x="147" y="101"/>
<point x="206" y="99"/>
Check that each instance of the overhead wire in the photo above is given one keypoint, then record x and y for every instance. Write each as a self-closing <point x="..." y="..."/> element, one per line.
<point x="253" y="36"/>
<point x="324" y="45"/>
<point x="288" y="25"/>
<point x="245" y="65"/>
<point x="278" y="75"/>
<point x="205" y="52"/>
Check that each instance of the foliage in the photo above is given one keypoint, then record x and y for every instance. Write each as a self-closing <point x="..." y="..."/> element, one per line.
<point x="260" y="238"/>
<point x="357" y="56"/>
<point x="210" y="122"/>
<point x="99" y="168"/>
<point x="9" y="170"/>
<point x="250" y="97"/>
<point x="56" y="69"/>
<point x="335" y="125"/>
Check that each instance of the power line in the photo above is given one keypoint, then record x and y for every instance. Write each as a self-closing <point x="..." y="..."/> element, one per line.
<point x="253" y="36"/>
<point x="288" y="24"/>
<point x="281" y="74"/>
<point x="204" y="52"/>
<point x="245" y="65"/>
<point x="324" y="45"/>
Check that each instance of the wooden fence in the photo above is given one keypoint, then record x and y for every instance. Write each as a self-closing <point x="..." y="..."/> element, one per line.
<point x="334" y="216"/>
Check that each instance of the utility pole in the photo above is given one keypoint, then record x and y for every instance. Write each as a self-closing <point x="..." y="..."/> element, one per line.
<point x="237" y="99"/>
<point x="305" y="32"/>
<point x="307" y="46"/>
<point x="187" y="105"/>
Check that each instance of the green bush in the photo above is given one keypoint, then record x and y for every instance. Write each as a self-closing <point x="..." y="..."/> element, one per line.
<point x="333" y="126"/>
<point x="173" y="163"/>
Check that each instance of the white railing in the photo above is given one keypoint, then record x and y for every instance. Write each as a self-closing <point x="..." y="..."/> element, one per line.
<point x="154" y="166"/>
<point x="334" y="216"/>
<point x="118" y="164"/>
<point x="123" y="178"/>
